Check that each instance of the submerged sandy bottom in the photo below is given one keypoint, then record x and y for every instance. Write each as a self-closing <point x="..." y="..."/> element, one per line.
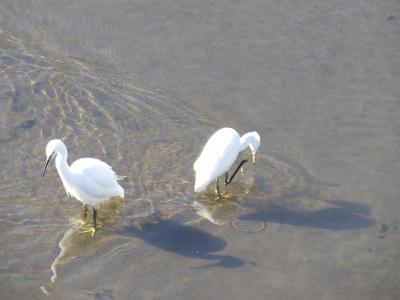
<point x="142" y="85"/>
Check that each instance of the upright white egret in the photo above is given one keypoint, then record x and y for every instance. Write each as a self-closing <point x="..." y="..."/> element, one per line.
<point x="89" y="180"/>
<point x="219" y="154"/>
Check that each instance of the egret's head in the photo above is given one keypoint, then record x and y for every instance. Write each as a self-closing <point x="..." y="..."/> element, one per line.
<point x="53" y="148"/>
<point x="254" y="143"/>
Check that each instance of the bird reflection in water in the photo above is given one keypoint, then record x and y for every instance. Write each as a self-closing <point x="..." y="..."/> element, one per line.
<point x="76" y="244"/>
<point x="222" y="208"/>
<point x="217" y="212"/>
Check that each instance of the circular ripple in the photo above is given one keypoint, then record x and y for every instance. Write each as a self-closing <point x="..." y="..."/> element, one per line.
<point x="247" y="226"/>
<point x="280" y="179"/>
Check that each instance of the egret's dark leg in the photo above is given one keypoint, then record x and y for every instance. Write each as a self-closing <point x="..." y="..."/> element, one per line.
<point x="234" y="173"/>
<point x="85" y="211"/>
<point x="94" y="217"/>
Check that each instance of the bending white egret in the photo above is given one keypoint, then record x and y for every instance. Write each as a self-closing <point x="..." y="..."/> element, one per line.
<point x="89" y="180"/>
<point x="219" y="154"/>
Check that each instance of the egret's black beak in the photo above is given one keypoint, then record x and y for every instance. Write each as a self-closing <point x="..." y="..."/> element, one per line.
<point x="48" y="162"/>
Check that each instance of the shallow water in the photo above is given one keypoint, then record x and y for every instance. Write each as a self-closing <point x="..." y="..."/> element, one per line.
<point x="142" y="85"/>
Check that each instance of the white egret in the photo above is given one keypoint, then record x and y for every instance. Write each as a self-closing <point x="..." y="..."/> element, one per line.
<point x="219" y="154"/>
<point x="89" y="180"/>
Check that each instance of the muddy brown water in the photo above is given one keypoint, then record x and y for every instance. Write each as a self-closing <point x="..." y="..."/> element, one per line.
<point x="142" y="85"/>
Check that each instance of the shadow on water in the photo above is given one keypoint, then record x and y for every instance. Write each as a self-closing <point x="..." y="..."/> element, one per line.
<point x="343" y="215"/>
<point x="177" y="238"/>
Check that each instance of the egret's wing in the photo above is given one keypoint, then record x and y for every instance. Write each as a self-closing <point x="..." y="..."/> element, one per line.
<point x="222" y="144"/>
<point x="98" y="171"/>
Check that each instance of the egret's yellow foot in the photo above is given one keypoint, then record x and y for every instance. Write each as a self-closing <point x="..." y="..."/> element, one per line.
<point x="91" y="230"/>
<point x="85" y="228"/>
<point x="84" y="225"/>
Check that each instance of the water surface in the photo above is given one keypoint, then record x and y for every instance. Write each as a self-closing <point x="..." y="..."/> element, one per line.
<point x="142" y="85"/>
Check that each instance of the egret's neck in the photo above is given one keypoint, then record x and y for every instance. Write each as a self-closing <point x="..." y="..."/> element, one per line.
<point x="252" y="140"/>
<point x="62" y="167"/>
<point x="246" y="140"/>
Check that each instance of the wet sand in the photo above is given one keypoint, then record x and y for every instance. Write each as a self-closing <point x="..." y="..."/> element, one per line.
<point x="142" y="85"/>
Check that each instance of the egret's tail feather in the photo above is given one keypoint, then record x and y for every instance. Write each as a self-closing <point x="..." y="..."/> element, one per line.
<point x="121" y="177"/>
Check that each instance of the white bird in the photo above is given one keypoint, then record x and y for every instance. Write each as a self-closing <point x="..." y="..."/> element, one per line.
<point x="89" y="180"/>
<point x="219" y="154"/>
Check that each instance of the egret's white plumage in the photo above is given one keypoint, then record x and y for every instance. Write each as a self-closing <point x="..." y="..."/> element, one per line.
<point x="89" y="180"/>
<point x="219" y="154"/>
